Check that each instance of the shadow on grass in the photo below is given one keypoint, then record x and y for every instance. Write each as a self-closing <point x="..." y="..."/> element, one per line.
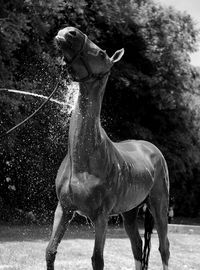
<point x="35" y="232"/>
<point x="17" y="233"/>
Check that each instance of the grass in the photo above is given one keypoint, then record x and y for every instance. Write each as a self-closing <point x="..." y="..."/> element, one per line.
<point x="23" y="248"/>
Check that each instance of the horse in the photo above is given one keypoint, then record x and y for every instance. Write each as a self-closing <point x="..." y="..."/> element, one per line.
<point x="98" y="177"/>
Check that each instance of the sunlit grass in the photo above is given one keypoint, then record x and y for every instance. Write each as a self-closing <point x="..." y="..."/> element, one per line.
<point x="24" y="249"/>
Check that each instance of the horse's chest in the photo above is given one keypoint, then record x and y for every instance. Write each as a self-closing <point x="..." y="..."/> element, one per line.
<point x="84" y="182"/>
<point x="86" y="190"/>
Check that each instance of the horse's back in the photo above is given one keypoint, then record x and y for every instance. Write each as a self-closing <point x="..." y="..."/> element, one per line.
<point x="136" y="148"/>
<point x="148" y="153"/>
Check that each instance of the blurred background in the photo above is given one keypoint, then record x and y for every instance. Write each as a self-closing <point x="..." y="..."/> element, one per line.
<point x="153" y="94"/>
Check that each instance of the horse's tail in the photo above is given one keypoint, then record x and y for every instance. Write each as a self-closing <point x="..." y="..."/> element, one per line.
<point x="148" y="229"/>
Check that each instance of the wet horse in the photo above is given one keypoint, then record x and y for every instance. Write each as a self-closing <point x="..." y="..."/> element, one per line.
<point x="98" y="177"/>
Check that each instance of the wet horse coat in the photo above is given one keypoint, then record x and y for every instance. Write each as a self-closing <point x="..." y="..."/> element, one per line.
<point x="98" y="177"/>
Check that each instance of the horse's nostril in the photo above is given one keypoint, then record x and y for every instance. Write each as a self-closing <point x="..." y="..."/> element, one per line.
<point x="72" y="33"/>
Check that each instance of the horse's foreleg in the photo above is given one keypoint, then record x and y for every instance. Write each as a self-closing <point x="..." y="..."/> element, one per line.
<point x="58" y="231"/>
<point x="100" y="236"/>
<point x="130" y="225"/>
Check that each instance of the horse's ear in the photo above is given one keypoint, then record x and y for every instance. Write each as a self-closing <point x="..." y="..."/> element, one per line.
<point x="117" y="55"/>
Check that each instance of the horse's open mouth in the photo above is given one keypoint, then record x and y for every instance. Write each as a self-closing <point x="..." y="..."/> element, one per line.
<point x="62" y="45"/>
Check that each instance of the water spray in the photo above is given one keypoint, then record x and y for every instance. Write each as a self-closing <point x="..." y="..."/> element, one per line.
<point x="70" y="98"/>
<point x="31" y="94"/>
<point x="36" y="111"/>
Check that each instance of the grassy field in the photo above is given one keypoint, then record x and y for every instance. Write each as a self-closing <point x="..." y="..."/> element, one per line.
<point x="23" y="248"/>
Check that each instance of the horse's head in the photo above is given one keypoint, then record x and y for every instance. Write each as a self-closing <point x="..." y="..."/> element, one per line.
<point x="85" y="58"/>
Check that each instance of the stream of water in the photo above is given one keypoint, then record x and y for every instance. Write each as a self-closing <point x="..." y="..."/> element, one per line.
<point x="70" y="96"/>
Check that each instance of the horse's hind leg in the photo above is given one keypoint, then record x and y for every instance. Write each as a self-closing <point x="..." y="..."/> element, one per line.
<point x="130" y="224"/>
<point x="100" y="236"/>
<point x="159" y="209"/>
<point x="59" y="227"/>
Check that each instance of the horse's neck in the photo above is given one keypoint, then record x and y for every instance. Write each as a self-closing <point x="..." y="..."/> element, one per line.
<point x="85" y="133"/>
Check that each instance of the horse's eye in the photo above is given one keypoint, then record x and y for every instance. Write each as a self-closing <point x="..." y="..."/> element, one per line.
<point x="102" y="54"/>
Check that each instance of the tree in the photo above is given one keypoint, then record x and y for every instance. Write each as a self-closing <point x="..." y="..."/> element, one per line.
<point x="154" y="79"/>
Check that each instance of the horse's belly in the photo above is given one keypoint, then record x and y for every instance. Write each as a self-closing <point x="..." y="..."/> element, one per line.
<point x="131" y="195"/>
<point x="129" y="202"/>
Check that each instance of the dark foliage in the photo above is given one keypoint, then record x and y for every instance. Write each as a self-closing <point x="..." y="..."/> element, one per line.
<point x="152" y="92"/>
